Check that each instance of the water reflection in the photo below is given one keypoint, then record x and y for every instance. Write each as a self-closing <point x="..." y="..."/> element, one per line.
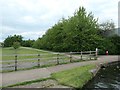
<point x="107" y="77"/>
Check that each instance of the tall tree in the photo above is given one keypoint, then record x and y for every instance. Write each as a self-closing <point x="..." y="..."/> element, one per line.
<point x="76" y="33"/>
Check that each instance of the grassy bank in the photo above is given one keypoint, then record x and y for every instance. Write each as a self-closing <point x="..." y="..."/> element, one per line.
<point x="76" y="77"/>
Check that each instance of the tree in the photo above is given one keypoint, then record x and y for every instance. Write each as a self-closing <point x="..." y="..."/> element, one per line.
<point x="81" y="32"/>
<point x="76" y="33"/>
<point x="28" y="43"/>
<point x="116" y="41"/>
<point x="8" y="42"/>
<point x="107" y="28"/>
<point x="16" y="45"/>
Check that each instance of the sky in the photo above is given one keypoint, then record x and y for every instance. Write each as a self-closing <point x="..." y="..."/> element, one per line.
<point x="32" y="18"/>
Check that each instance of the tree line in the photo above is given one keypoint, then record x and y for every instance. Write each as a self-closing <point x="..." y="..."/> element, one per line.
<point x="80" y="32"/>
<point x="10" y="40"/>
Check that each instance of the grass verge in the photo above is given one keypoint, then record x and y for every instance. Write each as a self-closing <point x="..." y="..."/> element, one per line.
<point x="76" y="77"/>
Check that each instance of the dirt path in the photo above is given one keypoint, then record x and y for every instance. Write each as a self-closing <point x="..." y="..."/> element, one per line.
<point x="28" y="75"/>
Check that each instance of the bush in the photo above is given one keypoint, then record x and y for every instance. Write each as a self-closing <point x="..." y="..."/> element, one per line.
<point x="16" y="45"/>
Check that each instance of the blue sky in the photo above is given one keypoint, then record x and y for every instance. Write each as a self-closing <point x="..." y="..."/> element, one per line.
<point x="32" y="18"/>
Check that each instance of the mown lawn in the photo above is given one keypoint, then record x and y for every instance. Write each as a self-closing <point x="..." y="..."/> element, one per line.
<point x="76" y="77"/>
<point x="44" y="55"/>
<point x="21" y="50"/>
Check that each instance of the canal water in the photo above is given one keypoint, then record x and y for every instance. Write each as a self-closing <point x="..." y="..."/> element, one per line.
<point x="108" y="78"/>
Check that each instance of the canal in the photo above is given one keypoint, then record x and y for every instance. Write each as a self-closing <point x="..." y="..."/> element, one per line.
<point x="108" y="77"/>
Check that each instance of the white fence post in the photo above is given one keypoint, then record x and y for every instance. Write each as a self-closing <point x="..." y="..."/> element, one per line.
<point x="96" y="53"/>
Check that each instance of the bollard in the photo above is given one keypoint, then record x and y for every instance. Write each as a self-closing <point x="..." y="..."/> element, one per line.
<point x="15" y="62"/>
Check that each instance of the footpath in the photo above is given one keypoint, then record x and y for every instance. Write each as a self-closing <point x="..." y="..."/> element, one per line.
<point x="28" y="75"/>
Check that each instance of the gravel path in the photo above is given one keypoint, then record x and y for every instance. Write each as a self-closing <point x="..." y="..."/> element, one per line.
<point x="28" y="75"/>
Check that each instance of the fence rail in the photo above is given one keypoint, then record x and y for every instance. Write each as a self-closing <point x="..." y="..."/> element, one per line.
<point x="42" y="59"/>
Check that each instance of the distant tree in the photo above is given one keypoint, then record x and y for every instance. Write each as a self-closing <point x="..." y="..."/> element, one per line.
<point x="116" y="41"/>
<point x="107" y="28"/>
<point x="16" y="45"/>
<point x="8" y="42"/>
<point x="28" y="43"/>
<point x="37" y="43"/>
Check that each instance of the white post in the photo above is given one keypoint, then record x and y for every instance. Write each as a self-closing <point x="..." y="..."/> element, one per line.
<point x="96" y="52"/>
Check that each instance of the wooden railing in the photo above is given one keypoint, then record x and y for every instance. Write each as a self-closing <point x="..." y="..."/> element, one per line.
<point x="41" y="59"/>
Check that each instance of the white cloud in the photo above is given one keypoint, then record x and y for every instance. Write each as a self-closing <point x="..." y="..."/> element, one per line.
<point x="7" y="29"/>
<point x="31" y="34"/>
<point x="28" y="19"/>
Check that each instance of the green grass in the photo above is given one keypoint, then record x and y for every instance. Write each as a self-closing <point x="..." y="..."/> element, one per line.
<point x="10" y="51"/>
<point x="21" y="50"/>
<point x="76" y="77"/>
